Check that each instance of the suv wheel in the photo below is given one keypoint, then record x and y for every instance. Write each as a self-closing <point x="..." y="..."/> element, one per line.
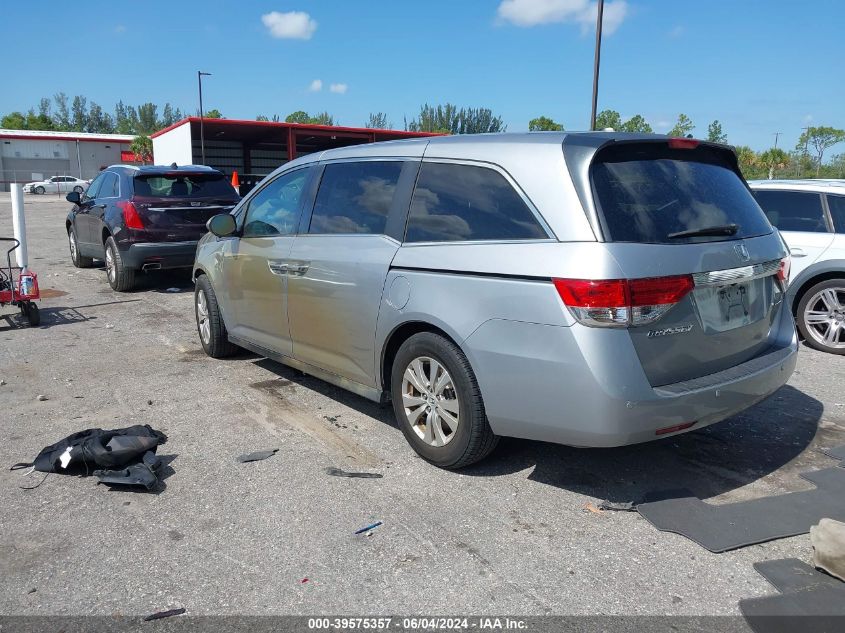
<point x="210" y="326"/>
<point x="121" y="277"/>
<point x="78" y="260"/>
<point x="438" y="404"/>
<point x="821" y="316"/>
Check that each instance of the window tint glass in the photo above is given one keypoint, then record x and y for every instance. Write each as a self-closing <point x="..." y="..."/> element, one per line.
<point x="837" y="212"/>
<point x="94" y="187"/>
<point x="108" y="189"/>
<point x="185" y="185"/>
<point x="793" y="210"/>
<point x="275" y="209"/>
<point x="648" y="191"/>
<point x="463" y="202"/>
<point x="355" y="197"/>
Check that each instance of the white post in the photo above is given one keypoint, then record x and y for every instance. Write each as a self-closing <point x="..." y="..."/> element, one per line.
<point x="19" y="225"/>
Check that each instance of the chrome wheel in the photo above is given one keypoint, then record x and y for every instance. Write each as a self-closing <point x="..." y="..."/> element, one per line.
<point x="203" y="323"/>
<point x="72" y="241"/>
<point x="430" y="401"/>
<point x="110" y="269"/>
<point x="824" y="316"/>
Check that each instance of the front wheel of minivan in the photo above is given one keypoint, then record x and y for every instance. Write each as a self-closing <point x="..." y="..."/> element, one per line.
<point x="821" y="316"/>
<point x="438" y="403"/>
<point x="210" y="326"/>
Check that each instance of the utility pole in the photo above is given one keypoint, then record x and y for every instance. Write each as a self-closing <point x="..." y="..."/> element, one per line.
<point x="596" y="62"/>
<point x="200" y="75"/>
<point x="776" y="135"/>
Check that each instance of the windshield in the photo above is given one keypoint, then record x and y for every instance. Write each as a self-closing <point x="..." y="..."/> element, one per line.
<point x="648" y="192"/>
<point x="185" y="185"/>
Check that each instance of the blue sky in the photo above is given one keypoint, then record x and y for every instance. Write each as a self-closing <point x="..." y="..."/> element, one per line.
<point x="759" y="66"/>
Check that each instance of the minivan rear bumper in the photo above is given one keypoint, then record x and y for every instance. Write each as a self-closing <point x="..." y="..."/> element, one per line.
<point x="160" y="255"/>
<point x="586" y="387"/>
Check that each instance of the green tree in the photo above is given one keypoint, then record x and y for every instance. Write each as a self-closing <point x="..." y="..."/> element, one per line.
<point x="300" y="116"/>
<point x="715" y="134"/>
<point x="544" y="124"/>
<point x="447" y="118"/>
<point x="147" y="118"/>
<point x="378" y="121"/>
<point x="38" y="121"/>
<point x="61" y="118"/>
<point x="748" y="161"/>
<point x="14" y="121"/>
<point x="167" y="118"/>
<point x="774" y="159"/>
<point x="261" y="117"/>
<point x="636" y="124"/>
<point x="213" y="114"/>
<point x="608" y="119"/>
<point x="682" y="127"/>
<point x="142" y="147"/>
<point x="837" y="166"/>
<point x="821" y="138"/>
<point x="79" y="114"/>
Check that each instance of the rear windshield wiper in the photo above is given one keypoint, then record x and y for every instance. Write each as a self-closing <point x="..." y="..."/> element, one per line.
<point x="723" y="229"/>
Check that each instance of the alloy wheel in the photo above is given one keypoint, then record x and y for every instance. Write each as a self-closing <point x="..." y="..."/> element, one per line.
<point x="203" y="322"/>
<point x="72" y="241"/>
<point x="824" y="316"/>
<point x="110" y="268"/>
<point x="430" y="401"/>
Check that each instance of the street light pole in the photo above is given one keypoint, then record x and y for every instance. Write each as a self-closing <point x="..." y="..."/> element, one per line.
<point x="596" y="64"/>
<point x="202" y="128"/>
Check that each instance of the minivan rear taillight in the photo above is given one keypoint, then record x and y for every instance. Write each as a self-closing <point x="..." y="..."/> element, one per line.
<point x="622" y="302"/>
<point x="130" y="215"/>
<point x="783" y="271"/>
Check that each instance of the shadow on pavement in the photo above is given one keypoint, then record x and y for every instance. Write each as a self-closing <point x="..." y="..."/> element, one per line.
<point x="708" y="462"/>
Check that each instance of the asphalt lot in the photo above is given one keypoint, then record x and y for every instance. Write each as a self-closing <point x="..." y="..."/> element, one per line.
<point x="508" y="536"/>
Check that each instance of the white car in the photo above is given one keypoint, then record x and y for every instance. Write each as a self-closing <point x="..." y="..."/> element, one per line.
<point x="57" y="184"/>
<point x="810" y="215"/>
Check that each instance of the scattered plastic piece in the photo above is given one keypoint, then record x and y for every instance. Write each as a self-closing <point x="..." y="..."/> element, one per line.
<point x="303" y="581"/>
<point x="164" y="614"/>
<point x="626" y="506"/>
<point x="590" y="507"/>
<point x="337" y="472"/>
<point x="143" y="474"/>
<point x="42" y="397"/>
<point x="368" y="528"/>
<point x="257" y="456"/>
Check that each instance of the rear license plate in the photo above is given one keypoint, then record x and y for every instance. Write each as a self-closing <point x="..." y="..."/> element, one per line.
<point x="729" y="307"/>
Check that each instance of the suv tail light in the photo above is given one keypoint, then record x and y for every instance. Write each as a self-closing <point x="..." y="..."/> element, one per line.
<point x="783" y="271"/>
<point x="622" y="302"/>
<point x="130" y="215"/>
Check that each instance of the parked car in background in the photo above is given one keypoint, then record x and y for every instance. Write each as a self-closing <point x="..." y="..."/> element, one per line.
<point x="57" y="184"/>
<point x="591" y="289"/>
<point x="810" y="215"/>
<point x="144" y="218"/>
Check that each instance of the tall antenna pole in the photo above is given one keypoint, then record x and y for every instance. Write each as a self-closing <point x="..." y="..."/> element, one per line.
<point x="596" y="62"/>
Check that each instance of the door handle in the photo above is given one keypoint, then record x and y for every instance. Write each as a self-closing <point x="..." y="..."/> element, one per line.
<point x="298" y="269"/>
<point x="277" y="267"/>
<point x="797" y="252"/>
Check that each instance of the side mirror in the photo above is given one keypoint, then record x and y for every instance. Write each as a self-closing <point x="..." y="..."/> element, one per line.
<point x="74" y="197"/>
<point x="222" y="225"/>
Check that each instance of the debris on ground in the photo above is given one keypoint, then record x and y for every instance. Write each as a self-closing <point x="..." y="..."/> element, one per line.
<point x="613" y="506"/>
<point x="41" y="397"/>
<point x="109" y="326"/>
<point x="33" y="590"/>
<point x="368" y="528"/>
<point x="164" y="614"/>
<point x="828" y="539"/>
<point x="337" y="472"/>
<point x="303" y="581"/>
<point x="131" y="449"/>
<point x="591" y="507"/>
<point x="2" y="382"/>
<point x="257" y="455"/>
<point x="172" y="290"/>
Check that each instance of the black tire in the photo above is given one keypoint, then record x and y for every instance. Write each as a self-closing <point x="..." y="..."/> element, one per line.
<point x="32" y="314"/>
<point x="811" y="335"/>
<point x="473" y="439"/>
<point x="40" y="190"/>
<point x="78" y="189"/>
<point x="215" y="340"/>
<point x="120" y="276"/>
<point x="80" y="261"/>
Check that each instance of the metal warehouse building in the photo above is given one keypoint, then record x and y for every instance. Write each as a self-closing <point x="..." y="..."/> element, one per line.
<point x="256" y="148"/>
<point x="28" y="155"/>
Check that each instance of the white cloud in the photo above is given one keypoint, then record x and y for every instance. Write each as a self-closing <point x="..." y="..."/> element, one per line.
<point x="533" y="12"/>
<point x="294" y="25"/>
<point x="315" y="86"/>
<point x="339" y="88"/>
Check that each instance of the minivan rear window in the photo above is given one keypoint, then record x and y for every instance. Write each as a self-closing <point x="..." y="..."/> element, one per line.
<point x="185" y="185"/>
<point x="649" y="192"/>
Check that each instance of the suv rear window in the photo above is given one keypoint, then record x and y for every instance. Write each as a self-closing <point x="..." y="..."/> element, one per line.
<point x="184" y="186"/>
<point x="646" y="192"/>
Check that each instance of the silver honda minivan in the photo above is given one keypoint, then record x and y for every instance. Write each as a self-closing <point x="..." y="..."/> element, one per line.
<point x="591" y="289"/>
